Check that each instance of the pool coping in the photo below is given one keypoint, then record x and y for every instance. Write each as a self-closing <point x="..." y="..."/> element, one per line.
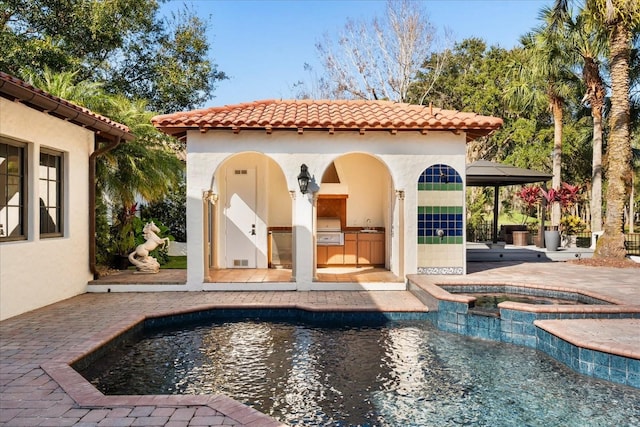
<point x="434" y="287"/>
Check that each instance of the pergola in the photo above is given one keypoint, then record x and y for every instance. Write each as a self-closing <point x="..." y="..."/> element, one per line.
<point x="483" y="173"/>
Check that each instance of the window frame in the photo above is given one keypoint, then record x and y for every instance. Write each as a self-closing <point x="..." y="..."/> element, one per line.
<point x="59" y="181"/>
<point x="23" y="204"/>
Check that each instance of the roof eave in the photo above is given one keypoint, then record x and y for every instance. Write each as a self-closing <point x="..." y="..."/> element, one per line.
<point x="180" y="130"/>
<point x="62" y="109"/>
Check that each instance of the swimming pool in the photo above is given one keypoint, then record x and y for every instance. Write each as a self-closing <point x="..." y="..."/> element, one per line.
<point x="369" y="372"/>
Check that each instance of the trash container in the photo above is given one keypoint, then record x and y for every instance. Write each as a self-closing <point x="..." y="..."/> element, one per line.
<point x="520" y="238"/>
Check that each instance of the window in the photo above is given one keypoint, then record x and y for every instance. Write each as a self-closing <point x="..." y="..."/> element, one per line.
<point x="50" y="193"/>
<point x="12" y="191"/>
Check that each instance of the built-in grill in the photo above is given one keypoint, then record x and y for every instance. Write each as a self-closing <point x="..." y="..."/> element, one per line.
<point x="330" y="232"/>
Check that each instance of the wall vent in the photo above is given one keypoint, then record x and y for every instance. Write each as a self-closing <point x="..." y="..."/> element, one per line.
<point x="241" y="171"/>
<point x="241" y="263"/>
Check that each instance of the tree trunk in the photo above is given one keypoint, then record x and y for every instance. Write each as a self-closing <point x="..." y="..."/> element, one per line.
<point x="596" y="174"/>
<point x="611" y="244"/>
<point x="556" y="182"/>
<point x="595" y="94"/>
<point x="632" y="212"/>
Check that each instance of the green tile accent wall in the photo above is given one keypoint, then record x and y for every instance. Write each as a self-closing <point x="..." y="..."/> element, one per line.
<point x="433" y="217"/>
<point x="446" y="240"/>
<point x="440" y="209"/>
<point x="438" y="186"/>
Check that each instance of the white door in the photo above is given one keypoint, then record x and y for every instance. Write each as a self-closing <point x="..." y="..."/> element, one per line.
<point x="241" y="218"/>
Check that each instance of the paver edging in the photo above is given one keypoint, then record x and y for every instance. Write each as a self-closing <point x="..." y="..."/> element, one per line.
<point x="85" y="395"/>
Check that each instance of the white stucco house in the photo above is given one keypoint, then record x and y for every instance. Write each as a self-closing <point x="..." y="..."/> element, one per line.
<point x="47" y="146"/>
<point x="386" y="188"/>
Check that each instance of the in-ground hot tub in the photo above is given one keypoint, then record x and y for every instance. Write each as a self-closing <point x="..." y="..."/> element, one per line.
<point x="453" y="308"/>
<point x="490" y="302"/>
<point x="487" y="299"/>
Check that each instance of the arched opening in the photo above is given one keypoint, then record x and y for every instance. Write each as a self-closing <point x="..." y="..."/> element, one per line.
<point x="354" y="217"/>
<point x="250" y="221"/>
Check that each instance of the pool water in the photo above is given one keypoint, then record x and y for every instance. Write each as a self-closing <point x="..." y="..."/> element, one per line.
<point x="492" y="300"/>
<point x="401" y="373"/>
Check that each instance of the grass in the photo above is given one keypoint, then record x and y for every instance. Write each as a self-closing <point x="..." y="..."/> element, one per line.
<point x="176" y="262"/>
<point x="515" y="218"/>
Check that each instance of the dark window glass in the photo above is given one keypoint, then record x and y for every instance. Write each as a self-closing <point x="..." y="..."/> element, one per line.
<point x="12" y="192"/>
<point x="50" y="191"/>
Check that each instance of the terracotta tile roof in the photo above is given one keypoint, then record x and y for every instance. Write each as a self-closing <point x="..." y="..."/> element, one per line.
<point x="303" y="115"/>
<point x="18" y="90"/>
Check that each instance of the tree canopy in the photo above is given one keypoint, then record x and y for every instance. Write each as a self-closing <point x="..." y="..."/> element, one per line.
<point x="377" y="59"/>
<point x="556" y="90"/>
<point x="119" y="58"/>
<point x="123" y="44"/>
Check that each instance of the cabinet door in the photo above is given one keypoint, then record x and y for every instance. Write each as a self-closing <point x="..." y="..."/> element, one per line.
<point x="377" y="250"/>
<point x="371" y="249"/>
<point x="321" y="254"/>
<point x="364" y="250"/>
<point x="335" y="254"/>
<point x="350" y="248"/>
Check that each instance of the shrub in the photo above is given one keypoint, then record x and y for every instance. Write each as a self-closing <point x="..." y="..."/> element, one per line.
<point x="572" y="224"/>
<point x="171" y="212"/>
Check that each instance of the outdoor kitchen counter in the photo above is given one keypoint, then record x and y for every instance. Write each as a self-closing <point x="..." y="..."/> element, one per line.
<point x="360" y="248"/>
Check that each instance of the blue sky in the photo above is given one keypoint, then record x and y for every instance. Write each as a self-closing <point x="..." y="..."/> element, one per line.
<point x="262" y="45"/>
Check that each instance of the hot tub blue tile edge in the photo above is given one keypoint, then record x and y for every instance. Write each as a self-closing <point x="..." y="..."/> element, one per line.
<point x="597" y="364"/>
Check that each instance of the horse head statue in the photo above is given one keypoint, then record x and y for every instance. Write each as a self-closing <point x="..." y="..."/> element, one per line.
<point x="150" y="227"/>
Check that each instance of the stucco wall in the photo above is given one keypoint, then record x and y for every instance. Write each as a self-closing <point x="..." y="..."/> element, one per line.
<point x="369" y="189"/>
<point x="37" y="272"/>
<point x="404" y="156"/>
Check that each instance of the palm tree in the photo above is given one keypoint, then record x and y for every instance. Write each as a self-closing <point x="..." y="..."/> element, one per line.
<point x="587" y="47"/>
<point x="618" y="19"/>
<point x="548" y="62"/>
<point x="146" y="168"/>
<point x="64" y="85"/>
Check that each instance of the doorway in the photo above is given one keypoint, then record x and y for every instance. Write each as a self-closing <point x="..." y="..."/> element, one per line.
<point x="241" y="218"/>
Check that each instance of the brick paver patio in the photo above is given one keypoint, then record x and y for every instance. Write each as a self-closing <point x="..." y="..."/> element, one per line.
<point x="38" y="388"/>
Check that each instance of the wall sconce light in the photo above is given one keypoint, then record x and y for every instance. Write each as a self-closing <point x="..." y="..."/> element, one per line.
<point x="303" y="179"/>
<point x="440" y="232"/>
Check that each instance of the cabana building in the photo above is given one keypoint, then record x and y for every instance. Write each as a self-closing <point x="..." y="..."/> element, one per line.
<point x="307" y="185"/>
